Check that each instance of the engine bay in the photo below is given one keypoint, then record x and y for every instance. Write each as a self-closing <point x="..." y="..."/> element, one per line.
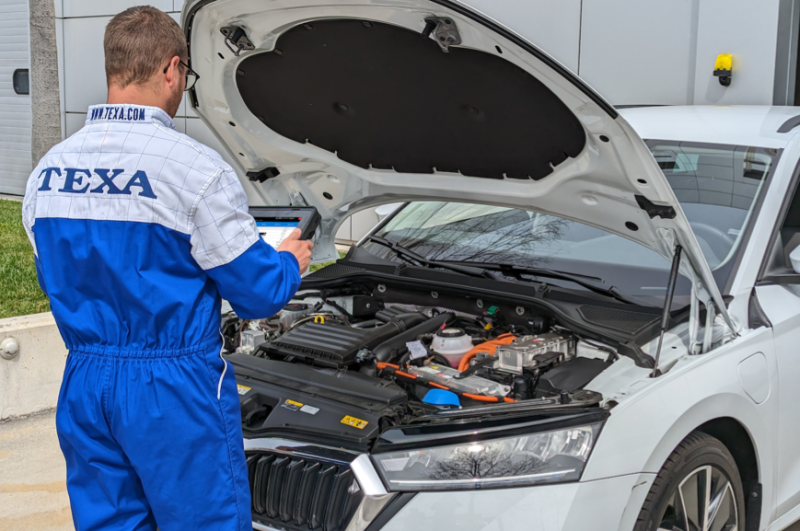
<point x="398" y="362"/>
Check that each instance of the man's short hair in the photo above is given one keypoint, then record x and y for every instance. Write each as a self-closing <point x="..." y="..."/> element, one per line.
<point x="139" y="42"/>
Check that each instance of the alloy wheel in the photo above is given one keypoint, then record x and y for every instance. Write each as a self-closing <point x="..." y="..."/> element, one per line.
<point x="703" y="501"/>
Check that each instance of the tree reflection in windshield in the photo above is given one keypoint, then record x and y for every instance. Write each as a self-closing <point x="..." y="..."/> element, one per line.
<point x="504" y="236"/>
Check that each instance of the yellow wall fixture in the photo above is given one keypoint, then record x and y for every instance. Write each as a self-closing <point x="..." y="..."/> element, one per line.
<point x="723" y="69"/>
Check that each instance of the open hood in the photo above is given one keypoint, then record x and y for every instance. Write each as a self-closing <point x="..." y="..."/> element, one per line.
<point x="347" y="104"/>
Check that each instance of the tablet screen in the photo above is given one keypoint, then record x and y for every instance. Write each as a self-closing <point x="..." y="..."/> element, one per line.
<point x="274" y="230"/>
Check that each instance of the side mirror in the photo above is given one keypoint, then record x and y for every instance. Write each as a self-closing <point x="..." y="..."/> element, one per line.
<point x="794" y="257"/>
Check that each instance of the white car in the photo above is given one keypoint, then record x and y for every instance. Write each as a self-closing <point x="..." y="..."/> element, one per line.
<point x="565" y="327"/>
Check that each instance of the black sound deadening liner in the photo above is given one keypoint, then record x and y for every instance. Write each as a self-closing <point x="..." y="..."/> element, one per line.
<point x="384" y="96"/>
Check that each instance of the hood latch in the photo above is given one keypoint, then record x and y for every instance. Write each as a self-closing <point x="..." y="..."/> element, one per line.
<point x="444" y="32"/>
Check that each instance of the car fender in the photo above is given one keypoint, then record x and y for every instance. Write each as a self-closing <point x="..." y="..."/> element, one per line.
<point x="647" y="425"/>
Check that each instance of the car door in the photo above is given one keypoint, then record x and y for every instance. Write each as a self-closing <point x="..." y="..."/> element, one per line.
<point x="778" y="297"/>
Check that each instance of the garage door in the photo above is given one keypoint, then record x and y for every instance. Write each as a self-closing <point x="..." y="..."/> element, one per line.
<point x="15" y="109"/>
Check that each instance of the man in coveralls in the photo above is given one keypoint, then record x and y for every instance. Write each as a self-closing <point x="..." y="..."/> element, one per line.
<point x="139" y="231"/>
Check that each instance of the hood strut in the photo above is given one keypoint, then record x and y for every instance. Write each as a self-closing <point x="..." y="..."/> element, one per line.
<point x="673" y="280"/>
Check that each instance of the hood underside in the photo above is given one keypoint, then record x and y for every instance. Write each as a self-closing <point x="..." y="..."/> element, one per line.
<point x="380" y="96"/>
<point x="344" y="105"/>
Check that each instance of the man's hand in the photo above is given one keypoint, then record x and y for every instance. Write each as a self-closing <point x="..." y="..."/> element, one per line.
<point x="301" y="249"/>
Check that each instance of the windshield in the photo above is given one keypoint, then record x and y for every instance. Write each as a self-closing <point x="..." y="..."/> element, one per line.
<point x="717" y="186"/>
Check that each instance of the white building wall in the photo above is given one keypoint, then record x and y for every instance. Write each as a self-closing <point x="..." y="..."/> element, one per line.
<point x="637" y="52"/>
<point x="15" y="109"/>
<point x="748" y="30"/>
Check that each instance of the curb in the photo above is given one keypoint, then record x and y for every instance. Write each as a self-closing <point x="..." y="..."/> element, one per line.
<point x="31" y="378"/>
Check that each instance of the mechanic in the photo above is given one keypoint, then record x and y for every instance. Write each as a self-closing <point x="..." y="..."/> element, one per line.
<point x="138" y="232"/>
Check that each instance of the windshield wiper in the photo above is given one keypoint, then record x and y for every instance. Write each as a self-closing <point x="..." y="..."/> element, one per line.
<point x="411" y="255"/>
<point x="585" y="281"/>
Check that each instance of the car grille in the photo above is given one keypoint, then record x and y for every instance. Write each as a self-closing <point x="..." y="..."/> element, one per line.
<point x="302" y="493"/>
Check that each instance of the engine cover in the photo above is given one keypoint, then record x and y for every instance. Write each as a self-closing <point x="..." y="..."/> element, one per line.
<point x="331" y="345"/>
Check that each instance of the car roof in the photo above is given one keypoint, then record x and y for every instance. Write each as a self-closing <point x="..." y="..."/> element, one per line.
<point x="756" y="126"/>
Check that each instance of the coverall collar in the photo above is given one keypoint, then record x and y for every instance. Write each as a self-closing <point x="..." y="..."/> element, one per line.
<point x="128" y="113"/>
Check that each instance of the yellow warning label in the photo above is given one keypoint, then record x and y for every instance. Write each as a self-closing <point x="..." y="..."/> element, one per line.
<point x="354" y="422"/>
<point x="242" y="389"/>
<point x="293" y="403"/>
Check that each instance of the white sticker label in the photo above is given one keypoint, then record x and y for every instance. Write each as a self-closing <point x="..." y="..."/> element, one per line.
<point x="417" y="349"/>
<point x="311" y="410"/>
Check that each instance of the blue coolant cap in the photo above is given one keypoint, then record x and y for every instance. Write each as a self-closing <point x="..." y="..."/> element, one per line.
<point x="440" y="397"/>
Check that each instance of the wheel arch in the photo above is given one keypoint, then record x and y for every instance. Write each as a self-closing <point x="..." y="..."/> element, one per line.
<point x="729" y="416"/>
<point x="736" y="438"/>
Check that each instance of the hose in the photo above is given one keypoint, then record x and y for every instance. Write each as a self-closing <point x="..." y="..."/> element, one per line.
<point x="387" y="350"/>
<point x="487" y="347"/>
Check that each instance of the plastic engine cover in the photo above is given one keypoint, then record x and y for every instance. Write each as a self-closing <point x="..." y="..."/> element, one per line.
<point x="330" y="345"/>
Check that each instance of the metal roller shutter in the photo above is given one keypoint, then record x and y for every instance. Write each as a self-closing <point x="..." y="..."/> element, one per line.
<point x="15" y="109"/>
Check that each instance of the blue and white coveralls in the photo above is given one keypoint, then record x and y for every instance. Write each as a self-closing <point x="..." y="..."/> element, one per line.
<point x="138" y="232"/>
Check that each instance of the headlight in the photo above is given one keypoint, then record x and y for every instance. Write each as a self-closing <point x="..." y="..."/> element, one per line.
<point x="548" y="457"/>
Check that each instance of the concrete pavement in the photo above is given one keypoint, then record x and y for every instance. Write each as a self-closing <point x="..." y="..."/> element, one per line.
<point x="33" y="493"/>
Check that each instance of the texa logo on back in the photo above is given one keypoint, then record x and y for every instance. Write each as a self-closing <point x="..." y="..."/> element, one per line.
<point x="80" y="181"/>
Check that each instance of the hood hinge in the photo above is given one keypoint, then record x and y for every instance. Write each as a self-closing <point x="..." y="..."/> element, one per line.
<point x="236" y="40"/>
<point x="444" y="32"/>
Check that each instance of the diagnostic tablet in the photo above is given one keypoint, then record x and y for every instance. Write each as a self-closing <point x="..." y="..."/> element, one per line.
<point x="276" y="223"/>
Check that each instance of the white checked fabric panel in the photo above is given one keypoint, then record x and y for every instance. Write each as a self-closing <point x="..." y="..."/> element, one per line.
<point x="29" y="207"/>
<point x="186" y="177"/>
<point x="223" y="228"/>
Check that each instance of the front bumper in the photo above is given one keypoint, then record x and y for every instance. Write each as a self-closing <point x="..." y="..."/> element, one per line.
<point x="603" y="505"/>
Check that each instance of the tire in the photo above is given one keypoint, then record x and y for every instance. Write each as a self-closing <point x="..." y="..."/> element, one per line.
<point x="689" y="467"/>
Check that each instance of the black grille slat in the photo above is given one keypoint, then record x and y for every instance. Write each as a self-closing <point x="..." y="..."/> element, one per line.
<point x="300" y="493"/>
<point x="275" y="488"/>
<point x="289" y="490"/>
<point x="259" y="487"/>
<point x="252" y="461"/>
<point x="333" y="516"/>
<point x="308" y="483"/>
<point x="321" y="495"/>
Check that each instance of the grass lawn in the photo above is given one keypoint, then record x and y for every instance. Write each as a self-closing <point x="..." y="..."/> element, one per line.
<point x="19" y="290"/>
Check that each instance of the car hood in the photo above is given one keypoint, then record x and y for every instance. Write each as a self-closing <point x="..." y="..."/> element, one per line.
<point x="344" y="105"/>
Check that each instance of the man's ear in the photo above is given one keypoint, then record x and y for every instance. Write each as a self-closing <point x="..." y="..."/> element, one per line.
<point x="173" y="73"/>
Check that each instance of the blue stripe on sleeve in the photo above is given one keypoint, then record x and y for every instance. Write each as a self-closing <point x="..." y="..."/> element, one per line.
<point x="259" y="282"/>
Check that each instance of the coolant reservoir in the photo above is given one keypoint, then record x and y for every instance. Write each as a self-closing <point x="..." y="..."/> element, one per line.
<point x="452" y="343"/>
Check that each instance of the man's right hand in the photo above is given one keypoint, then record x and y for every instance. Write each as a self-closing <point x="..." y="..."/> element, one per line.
<point x="301" y="249"/>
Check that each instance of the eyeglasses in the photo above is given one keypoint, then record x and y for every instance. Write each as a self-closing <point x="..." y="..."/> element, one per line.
<point x="191" y="76"/>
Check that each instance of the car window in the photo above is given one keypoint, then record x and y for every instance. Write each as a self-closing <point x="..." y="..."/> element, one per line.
<point x="716" y="185"/>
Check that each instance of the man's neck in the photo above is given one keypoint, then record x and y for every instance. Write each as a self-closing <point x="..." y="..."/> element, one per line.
<point x="136" y="95"/>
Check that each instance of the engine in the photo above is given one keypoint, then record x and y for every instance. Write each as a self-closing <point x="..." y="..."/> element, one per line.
<point x="438" y="358"/>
